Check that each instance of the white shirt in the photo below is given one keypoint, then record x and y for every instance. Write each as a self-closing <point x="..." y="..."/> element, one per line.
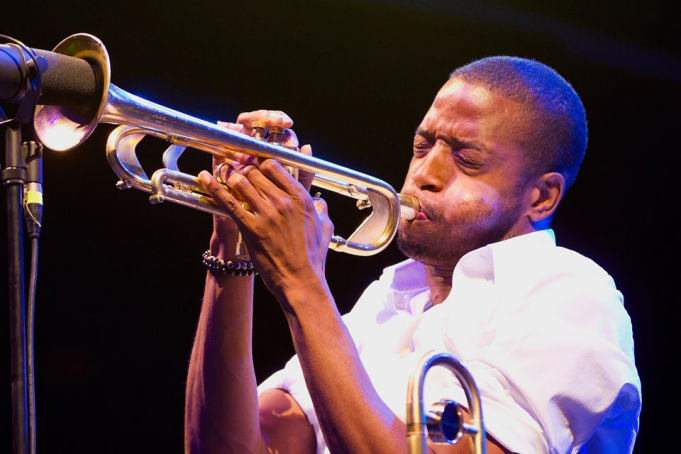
<point x="542" y="329"/>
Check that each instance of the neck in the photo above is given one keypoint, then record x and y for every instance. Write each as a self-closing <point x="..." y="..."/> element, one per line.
<point x="439" y="281"/>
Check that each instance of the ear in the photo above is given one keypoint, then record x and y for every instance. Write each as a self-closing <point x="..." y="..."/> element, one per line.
<point x="546" y="194"/>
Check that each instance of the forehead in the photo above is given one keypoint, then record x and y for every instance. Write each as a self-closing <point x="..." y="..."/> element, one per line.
<point x="471" y="112"/>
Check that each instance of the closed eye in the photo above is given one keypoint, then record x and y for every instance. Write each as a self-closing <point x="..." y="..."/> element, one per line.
<point x="468" y="159"/>
<point x="421" y="145"/>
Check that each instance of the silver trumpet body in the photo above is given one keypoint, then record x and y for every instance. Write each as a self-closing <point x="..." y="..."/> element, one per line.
<point x="64" y="128"/>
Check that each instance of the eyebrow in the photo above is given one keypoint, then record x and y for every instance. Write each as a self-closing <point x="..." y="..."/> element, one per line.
<point x="454" y="141"/>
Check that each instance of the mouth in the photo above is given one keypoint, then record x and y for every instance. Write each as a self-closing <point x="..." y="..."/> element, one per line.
<point x="419" y="212"/>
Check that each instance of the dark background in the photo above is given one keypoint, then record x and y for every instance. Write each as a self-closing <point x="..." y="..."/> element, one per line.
<point x="120" y="281"/>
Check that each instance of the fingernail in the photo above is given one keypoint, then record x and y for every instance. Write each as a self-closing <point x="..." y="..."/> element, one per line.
<point x="204" y="177"/>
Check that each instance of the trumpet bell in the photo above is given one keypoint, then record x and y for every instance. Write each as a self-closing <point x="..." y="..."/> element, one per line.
<point x="62" y="128"/>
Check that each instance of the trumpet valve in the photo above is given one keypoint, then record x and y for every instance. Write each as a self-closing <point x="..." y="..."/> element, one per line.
<point x="276" y="134"/>
<point x="259" y="129"/>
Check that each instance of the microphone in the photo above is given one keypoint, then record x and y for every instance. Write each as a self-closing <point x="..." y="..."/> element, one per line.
<point x="66" y="81"/>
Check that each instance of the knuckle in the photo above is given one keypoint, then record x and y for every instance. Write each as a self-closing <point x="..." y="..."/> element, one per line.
<point x="240" y="184"/>
<point x="229" y="203"/>
<point x="270" y="165"/>
<point x="283" y="206"/>
<point x="237" y="182"/>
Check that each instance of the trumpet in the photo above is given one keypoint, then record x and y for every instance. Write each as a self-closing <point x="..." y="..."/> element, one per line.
<point x="63" y="128"/>
<point x="443" y="422"/>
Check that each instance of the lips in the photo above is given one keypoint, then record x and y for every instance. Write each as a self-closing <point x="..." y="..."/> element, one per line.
<point x="424" y="213"/>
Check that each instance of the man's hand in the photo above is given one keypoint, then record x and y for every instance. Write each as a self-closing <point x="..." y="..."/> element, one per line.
<point x="286" y="231"/>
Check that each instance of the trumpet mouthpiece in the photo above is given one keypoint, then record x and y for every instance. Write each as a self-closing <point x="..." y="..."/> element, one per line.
<point x="409" y="207"/>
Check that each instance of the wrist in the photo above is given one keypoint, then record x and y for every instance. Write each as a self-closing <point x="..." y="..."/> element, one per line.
<point x="219" y="267"/>
<point x="223" y="244"/>
<point x="305" y="295"/>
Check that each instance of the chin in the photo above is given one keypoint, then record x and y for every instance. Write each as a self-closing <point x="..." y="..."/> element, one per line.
<point x="426" y="249"/>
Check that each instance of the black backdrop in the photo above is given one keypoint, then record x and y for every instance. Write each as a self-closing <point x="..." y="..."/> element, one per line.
<point x="120" y="280"/>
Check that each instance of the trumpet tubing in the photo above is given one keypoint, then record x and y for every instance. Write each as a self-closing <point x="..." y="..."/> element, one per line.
<point x="62" y="128"/>
<point x="443" y="422"/>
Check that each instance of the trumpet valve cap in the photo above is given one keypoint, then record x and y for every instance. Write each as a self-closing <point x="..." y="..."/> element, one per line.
<point x="276" y="134"/>
<point x="259" y="129"/>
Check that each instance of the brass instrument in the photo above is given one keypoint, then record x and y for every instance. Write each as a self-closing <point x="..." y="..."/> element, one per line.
<point x="63" y="128"/>
<point x="444" y="422"/>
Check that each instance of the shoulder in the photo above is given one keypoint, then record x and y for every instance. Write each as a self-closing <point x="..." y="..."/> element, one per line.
<point x="551" y="286"/>
<point x="533" y="265"/>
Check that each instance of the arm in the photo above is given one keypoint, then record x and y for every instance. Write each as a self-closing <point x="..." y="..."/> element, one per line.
<point x="291" y="264"/>
<point x="340" y="388"/>
<point x="221" y="400"/>
<point x="222" y="406"/>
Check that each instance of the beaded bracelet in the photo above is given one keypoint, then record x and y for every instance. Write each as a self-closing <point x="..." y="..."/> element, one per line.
<point x="219" y="267"/>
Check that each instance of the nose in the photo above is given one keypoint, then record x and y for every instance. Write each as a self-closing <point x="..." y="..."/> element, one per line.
<point x="432" y="171"/>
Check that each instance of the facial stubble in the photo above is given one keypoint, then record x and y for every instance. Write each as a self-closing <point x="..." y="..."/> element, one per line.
<point x="476" y="223"/>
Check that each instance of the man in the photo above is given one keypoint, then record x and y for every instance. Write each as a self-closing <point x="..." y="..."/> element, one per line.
<point x="541" y="328"/>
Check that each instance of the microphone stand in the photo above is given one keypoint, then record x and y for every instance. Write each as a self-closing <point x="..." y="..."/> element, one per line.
<point x="13" y="176"/>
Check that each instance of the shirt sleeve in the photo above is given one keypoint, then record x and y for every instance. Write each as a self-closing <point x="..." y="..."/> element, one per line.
<point x="291" y="379"/>
<point x="556" y="370"/>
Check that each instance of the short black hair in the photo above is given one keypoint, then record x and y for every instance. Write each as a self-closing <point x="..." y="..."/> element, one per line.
<point x="551" y="128"/>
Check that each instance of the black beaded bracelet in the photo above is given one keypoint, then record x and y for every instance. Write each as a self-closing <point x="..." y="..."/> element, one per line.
<point x="227" y="268"/>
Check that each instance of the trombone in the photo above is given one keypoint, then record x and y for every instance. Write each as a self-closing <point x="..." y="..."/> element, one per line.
<point x="444" y="421"/>
<point x="63" y="128"/>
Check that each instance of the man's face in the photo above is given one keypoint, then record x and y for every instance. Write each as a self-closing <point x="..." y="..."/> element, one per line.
<point x="467" y="173"/>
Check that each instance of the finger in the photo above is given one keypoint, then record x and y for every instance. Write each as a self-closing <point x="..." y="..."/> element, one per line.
<point x="320" y="206"/>
<point x="305" y="177"/>
<point x="222" y="171"/>
<point x="323" y="213"/>
<point x="244" y="159"/>
<point x="287" y="138"/>
<point x="225" y="167"/>
<point x="217" y="160"/>
<point x="269" y="117"/>
<point x="253" y="189"/>
<point x="281" y="178"/>
<point x="269" y="191"/>
<point x="224" y="199"/>
<point x="233" y="127"/>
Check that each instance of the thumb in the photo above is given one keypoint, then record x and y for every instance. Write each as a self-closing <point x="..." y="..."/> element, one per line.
<point x="305" y="178"/>
<point x="323" y="214"/>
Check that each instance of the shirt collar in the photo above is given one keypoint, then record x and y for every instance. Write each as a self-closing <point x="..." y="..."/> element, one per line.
<point x="407" y="279"/>
<point x="491" y="261"/>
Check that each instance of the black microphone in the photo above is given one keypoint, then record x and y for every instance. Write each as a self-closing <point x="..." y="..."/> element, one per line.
<point x="66" y="81"/>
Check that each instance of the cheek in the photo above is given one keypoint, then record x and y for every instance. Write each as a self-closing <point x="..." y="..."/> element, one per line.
<point x="473" y="196"/>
